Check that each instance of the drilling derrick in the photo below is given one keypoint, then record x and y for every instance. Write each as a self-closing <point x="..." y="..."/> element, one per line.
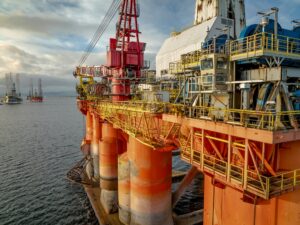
<point x="126" y="54"/>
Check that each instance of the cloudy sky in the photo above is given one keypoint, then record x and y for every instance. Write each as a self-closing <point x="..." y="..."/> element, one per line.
<point x="46" y="38"/>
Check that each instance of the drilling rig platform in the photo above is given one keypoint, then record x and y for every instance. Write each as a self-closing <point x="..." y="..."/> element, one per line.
<point x="226" y="94"/>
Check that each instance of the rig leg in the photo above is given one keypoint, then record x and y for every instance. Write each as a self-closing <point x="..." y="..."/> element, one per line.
<point x="150" y="185"/>
<point x="87" y="141"/>
<point x="95" y="147"/>
<point x="109" y="145"/>
<point x="124" y="188"/>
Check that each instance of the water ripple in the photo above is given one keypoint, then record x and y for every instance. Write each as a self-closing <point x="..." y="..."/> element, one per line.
<point x="38" y="144"/>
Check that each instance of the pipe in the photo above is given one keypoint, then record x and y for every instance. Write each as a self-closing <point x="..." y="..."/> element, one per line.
<point x="150" y="185"/>
<point x="189" y="177"/>
<point x="245" y="88"/>
<point x="275" y="10"/>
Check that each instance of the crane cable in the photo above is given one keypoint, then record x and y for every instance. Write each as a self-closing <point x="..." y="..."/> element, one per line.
<point x="100" y="30"/>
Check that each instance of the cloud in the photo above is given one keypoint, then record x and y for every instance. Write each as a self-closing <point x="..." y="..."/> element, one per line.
<point x="47" y="37"/>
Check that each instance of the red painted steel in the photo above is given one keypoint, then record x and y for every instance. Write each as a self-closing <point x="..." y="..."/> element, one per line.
<point x="113" y="58"/>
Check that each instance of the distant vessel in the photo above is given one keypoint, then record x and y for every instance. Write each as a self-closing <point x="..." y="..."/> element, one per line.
<point x="37" y="95"/>
<point x="13" y="95"/>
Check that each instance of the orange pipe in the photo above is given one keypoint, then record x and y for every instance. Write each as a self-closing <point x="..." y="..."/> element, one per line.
<point x="124" y="188"/>
<point x="150" y="184"/>
<point x="95" y="146"/>
<point x="110" y="146"/>
<point x="89" y="126"/>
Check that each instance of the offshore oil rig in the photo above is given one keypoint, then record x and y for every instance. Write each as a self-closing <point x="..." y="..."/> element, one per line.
<point x="226" y="94"/>
<point x="35" y="95"/>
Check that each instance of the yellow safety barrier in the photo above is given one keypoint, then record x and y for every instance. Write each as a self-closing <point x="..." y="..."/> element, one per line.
<point x="263" y="186"/>
<point x="263" y="120"/>
<point x="265" y="44"/>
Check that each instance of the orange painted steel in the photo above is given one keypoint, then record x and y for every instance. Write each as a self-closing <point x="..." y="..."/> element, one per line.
<point x="226" y="206"/>
<point x="86" y="147"/>
<point x="110" y="146"/>
<point x="89" y="126"/>
<point x="95" y="146"/>
<point x="150" y="184"/>
<point x="124" y="188"/>
<point x="82" y="106"/>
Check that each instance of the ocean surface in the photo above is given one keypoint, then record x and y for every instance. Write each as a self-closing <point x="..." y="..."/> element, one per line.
<point x="39" y="143"/>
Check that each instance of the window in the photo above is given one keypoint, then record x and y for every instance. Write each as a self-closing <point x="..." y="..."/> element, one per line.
<point x="222" y="63"/>
<point x="207" y="64"/>
<point x="164" y="72"/>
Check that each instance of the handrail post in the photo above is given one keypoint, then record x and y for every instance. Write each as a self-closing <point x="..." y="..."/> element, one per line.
<point x="202" y="150"/>
<point x="246" y="164"/>
<point x="281" y="186"/>
<point x="229" y="158"/>
<point x="192" y="147"/>
<point x="263" y="41"/>
<point x="268" y="188"/>
<point x="255" y="45"/>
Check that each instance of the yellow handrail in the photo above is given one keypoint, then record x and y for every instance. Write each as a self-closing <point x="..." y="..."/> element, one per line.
<point x="266" y="42"/>
<point x="258" y="184"/>
<point x="248" y="118"/>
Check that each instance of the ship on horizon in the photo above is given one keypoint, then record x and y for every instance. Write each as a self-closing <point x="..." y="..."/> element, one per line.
<point x="36" y="95"/>
<point x="13" y="94"/>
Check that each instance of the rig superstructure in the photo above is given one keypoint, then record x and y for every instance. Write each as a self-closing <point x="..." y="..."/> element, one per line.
<point x="231" y="104"/>
<point x="13" y="94"/>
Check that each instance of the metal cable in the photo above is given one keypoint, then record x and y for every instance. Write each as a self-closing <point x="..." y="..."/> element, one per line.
<point x="100" y="30"/>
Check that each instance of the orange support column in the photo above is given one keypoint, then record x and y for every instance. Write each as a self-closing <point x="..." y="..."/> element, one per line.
<point x="95" y="146"/>
<point x="150" y="185"/>
<point x="86" y="144"/>
<point x="124" y="188"/>
<point x="89" y="126"/>
<point x="109" y="148"/>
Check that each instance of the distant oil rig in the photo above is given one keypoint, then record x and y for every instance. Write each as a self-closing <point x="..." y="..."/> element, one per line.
<point x="226" y="94"/>
<point x="13" y="94"/>
<point x="35" y="95"/>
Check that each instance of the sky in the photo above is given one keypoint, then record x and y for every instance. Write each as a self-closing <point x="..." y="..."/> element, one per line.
<point x="46" y="38"/>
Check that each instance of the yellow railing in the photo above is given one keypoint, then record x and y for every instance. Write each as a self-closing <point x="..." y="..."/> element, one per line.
<point x="263" y="186"/>
<point x="263" y="120"/>
<point x="191" y="60"/>
<point x="251" y="46"/>
<point x="94" y="71"/>
<point x="176" y="67"/>
<point x="262" y="43"/>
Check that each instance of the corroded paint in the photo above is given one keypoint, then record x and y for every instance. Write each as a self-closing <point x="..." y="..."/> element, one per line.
<point x="150" y="185"/>
<point x="95" y="146"/>
<point x="111" y="145"/>
<point x="124" y="188"/>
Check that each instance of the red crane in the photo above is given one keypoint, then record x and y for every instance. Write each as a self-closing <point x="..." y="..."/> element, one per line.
<point x="125" y="57"/>
<point x="126" y="53"/>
